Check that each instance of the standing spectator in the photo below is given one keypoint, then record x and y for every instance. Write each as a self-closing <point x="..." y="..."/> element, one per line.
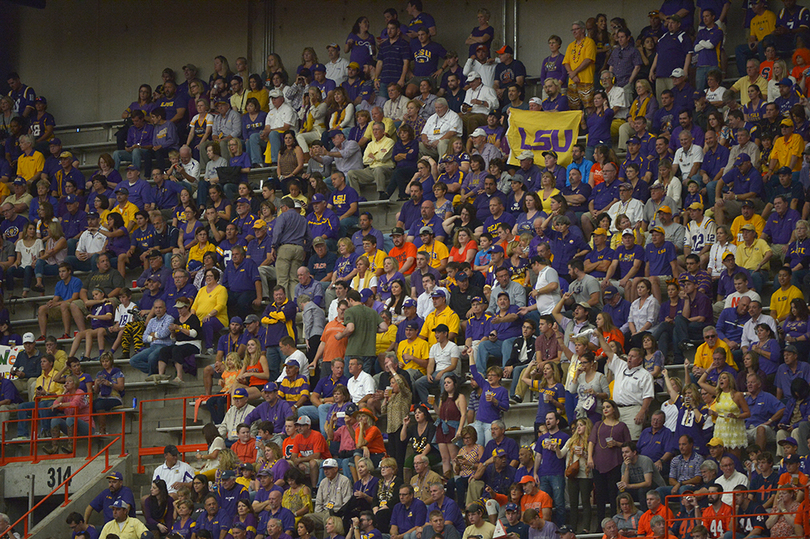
<point x="674" y="52"/>
<point x="579" y="62"/>
<point x="604" y="454"/>
<point x="291" y="236"/>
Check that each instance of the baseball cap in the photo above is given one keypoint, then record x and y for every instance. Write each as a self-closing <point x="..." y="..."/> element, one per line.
<point x="472" y="75"/>
<point x="786" y="82"/>
<point x="658" y="229"/>
<point x="676" y="18"/>
<point x="318" y="197"/>
<point x="748" y="226"/>
<point x="479" y="47"/>
<point x="239" y="525"/>
<point x="335" y="132"/>
<point x="270" y="386"/>
<point x="525" y="154"/>
<point x="695" y="206"/>
<point x="275" y="93"/>
<point x="228" y="474"/>
<point x="600" y="231"/>
<point x="499" y="452"/>
<point x="65" y="155"/>
<point x="551" y="153"/>
<point x="264" y="473"/>
<point x="585" y="305"/>
<point x="55" y="141"/>
<point x="120" y="504"/>
<point x="784" y="170"/>
<point x="536" y="101"/>
<point x="634" y="140"/>
<point x="742" y="158"/>
<point x="788" y="122"/>
<point x="698" y="95"/>
<point x="425" y="230"/>
<point x="438" y="294"/>
<point x="251" y="318"/>
<point x="628" y="232"/>
<point x="657" y="185"/>
<point x="441" y="328"/>
<point x="626" y="186"/>
<point x="506" y="49"/>
<point x="330" y="463"/>
<point x="351" y="408"/>
<point x="688" y="278"/>
<point x="332" y="45"/>
<point x="789" y="440"/>
<point x="398" y="231"/>
<point x="133" y="167"/>
<point x="609" y="292"/>
<point x="791" y="459"/>
<point x="496" y="249"/>
<point x="413" y="324"/>
<point x="28" y="337"/>
<point x="461" y="276"/>
<point x="242" y="200"/>
<point x="478" y="132"/>
<point x="122" y="190"/>
<point x="664" y="209"/>
<point x="653" y="13"/>
<point x="727" y="254"/>
<point x="511" y="507"/>
<point x="365" y="294"/>
<point x="19" y="180"/>
<point x="190" y="67"/>
<point x="677" y="72"/>
<point x="715" y="442"/>
<point x="240" y="392"/>
<point x="92" y="215"/>
<point x="526" y="479"/>
<point x="236" y="320"/>
<point x="303" y="420"/>
<point x="354" y="65"/>
<point x="319" y="67"/>
<point x="787" y="348"/>
<point x="115" y="475"/>
<point x="292" y="363"/>
<point x="409" y="302"/>
<point x="747" y="203"/>
<point x="318" y="240"/>
<point x="259" y="223"/>
<point x="562" y="530"/>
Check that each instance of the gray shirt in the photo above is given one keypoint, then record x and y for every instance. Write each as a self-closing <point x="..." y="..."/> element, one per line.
<point x="674" y="233"/>
<point x="351" y="157"/>
<point x="517" y="295"/>
<point x="314" y="320"/>
<point x="291" y="228"/>
<point x="582" y="289"/>
<point x="644" y="465"/>
<point x="229" y="125"/>
<point x="651" y="209"/>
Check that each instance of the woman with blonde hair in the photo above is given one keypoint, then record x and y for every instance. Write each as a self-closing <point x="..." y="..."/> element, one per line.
<point x="778" y="72"/>
<point x="466" y="461"/>
<point x="365" y="278"/>
<point x="255" y="372"/>
<point x="308" y="59"/>
<point x="313" y="119"/>
<point x="729" y="411"/>
<point x="644" y="105"/>
<point x="580" y="478"/>
<point x="390" y="274"/>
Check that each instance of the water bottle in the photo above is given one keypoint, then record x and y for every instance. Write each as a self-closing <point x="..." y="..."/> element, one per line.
<point x="135" y="402"/>
<point x="258" y="443"/>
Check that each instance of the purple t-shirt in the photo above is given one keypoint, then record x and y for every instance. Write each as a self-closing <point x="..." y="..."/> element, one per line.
<point x="100" y="310"/>
<point x="426" y="58"/>
<point x="552" y="67"/>
<point x="343" y="199"/>
<point x="551" y="464"/>
<point x="660" y="258"/>
<point x="627" y="258"/>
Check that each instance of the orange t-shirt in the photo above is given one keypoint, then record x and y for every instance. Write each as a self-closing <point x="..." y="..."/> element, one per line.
<point x="803" y="517"/>
<point x="786" y="479"/>
<point x="314" y="443"/>
<point x="539" y="501"/>
<point x="287" y="447"/>
<point x="374" y="439"/>
<point x="333" y="348"/>
<point x="402" y="254"/>
<point x="644" y="527"/>
<point x="245" y="451"/>
<point x="717" y="522"/>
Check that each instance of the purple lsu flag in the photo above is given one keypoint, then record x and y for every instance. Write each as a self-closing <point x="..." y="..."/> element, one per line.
<point x="541" y="132"/>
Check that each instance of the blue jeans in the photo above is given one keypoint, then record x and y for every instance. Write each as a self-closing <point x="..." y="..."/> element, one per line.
<point x="66" y="425"/>
<point x="554" y="485"/>
<point x="27" y="273"/>
<point x="347" y="223"/>
<point x="43" y="268"/>
<point x="202" y="194"/>
<point x="137" y="156"/>
<point x="217" y="407"/>
<point x="275" y="141"/>
<point x="500" y="349"/>
<point x="79" y="265"/>
<point x="44" y="413"/>
<point x="667" y="491"/>
<point x="146" y="360"/>
<point x="759" y="278"/>
<point x="744" y="53"/>
<point x="255" y="149"/>
<point x="663" y="336"/>
<point x="423" y="387"/>
<point x="484" y="432"/>
<point x="274" y="361"/>
<point x="515" y="378"/>
<point x="700" y="78"/>
<point x="686" y="331"/>
<point x="241" y="303"/>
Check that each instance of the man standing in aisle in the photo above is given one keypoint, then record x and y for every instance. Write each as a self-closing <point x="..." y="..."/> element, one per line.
<point x="291" y="236"/>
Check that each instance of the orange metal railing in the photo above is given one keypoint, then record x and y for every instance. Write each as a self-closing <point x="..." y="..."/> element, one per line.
<point x="66" y="483"/>
<point x="36" y="442"/>
<point x="183" y="447"/>
<point x="734" y="515"/>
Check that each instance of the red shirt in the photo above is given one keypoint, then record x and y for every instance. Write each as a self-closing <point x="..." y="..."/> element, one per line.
<point x="644" y="527"/>
<point x="402" y="254"/>
<point x="374" y="439"/>
<point x="717" y="522"/>
<point x="314" y="443"/>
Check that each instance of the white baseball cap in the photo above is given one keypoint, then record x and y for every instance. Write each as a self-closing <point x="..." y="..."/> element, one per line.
<point x="28" y="337"/>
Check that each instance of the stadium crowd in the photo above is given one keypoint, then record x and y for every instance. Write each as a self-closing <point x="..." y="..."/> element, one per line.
<point x="586" y="286"/>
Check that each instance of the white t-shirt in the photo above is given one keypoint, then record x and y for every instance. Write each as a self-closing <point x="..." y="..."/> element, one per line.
<point x="547" y="302"/>
<point x="700" y="235"/>
<point x="122" y="314"/>
<point x="27" y="254"/>
<point x="302" y="360"/>
<point x="442" y="357"/>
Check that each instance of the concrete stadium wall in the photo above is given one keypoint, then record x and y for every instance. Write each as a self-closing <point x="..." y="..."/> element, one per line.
<point x="101" y="51"/>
